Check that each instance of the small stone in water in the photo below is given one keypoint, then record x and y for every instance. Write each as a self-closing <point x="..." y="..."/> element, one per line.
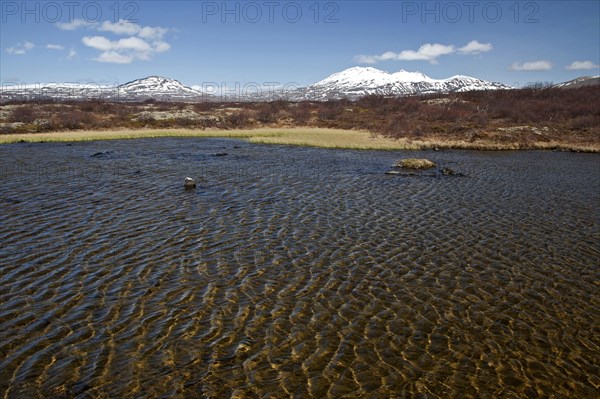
<point x="189" y="183"/>
<point x="415" y="163"/>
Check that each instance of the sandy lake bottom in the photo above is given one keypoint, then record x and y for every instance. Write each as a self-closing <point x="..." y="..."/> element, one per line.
<point x="296" y="272"/>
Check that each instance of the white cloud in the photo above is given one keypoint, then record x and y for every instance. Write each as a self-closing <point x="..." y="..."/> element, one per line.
<point x="367" y="59"/>
<point x="160" y="47"/>
<point x="51" y="46"/>
<point x="72" y="54"/>
<point x="142" y="41"/>
<point x="75" y="24"/>
<point x="531" y="66"/>
<point x="581" y="65"/>
<point x="97" y="42"/>
<point x="133" y="43"/>
<point x="427" y="52"/>
<point x="122" y="27"/>
<point x="114" y="57"/>
<point x="104" y="44"/>
<point x="155" y="33"/>
<point x="124" y="51"/>
<point x="474" y="47"/>
<point x="20" y="48"/>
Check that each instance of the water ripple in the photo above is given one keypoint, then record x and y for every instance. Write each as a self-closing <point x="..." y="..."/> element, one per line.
<point x="296" y="272"/>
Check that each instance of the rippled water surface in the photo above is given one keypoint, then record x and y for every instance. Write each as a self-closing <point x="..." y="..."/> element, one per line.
<point x="296" y="272"/>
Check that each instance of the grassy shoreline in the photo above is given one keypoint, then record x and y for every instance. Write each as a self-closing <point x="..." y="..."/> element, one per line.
<point x="312" y="137"/>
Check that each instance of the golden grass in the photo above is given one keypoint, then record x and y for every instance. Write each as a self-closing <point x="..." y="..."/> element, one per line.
<point x="90" y="135"/>
<point x="415" y="163"/>
<point x="331" y="138"/>
<point x="315" y="137"/>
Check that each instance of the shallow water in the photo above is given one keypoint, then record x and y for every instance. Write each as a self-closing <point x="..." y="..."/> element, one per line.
<point x="296" y="272"/>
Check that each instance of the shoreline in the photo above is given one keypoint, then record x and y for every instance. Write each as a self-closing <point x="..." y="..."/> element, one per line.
<point x="308" y="137"/>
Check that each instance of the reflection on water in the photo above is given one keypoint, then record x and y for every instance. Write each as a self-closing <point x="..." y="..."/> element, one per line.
<point x="296" y="272"/>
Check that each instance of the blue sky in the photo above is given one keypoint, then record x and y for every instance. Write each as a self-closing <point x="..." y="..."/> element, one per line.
<point x="287" y="42"/>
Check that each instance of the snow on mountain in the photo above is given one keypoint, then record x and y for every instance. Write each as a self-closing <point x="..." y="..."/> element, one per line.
<point x="579" y="82"/>
<point x="59" y="91"/>
<point x="369" y="78"/>
<point x="152" y="87"/>
<point x="49" y="86"/>
<point x="351" y="83"/>
<point x="360" y="81"/>
<point x="157" y="86"/>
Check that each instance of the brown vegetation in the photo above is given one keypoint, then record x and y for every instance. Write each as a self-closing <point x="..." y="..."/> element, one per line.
<point x="525" y="118"/>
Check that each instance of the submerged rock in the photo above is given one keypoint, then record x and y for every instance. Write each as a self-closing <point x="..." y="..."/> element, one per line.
<point x="448" y="172"/>
<point x="101" y="154"/>
<point x="421" y="168"/>
<point x="189" y="183"/>
<point x="399" y="173"/>
<point x="415" y="163"/>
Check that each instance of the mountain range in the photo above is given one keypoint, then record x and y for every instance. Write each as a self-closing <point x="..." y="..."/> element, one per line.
<point x="360" y="81"/>
<point x="351" y="83"/>
<point x="151" y="87"/>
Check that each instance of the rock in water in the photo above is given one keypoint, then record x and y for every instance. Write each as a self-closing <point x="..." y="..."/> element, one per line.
<point x="189" y="183"/>
<point x="415" y="163"/>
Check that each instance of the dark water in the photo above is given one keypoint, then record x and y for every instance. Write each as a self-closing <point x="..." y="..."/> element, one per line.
<point x="296" y="272"/>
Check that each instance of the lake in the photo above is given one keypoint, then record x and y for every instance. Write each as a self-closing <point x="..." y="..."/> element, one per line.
<point x="296" y="272"/>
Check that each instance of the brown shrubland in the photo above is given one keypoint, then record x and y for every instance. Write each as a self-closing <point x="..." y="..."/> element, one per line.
<point x="525" y="118"/>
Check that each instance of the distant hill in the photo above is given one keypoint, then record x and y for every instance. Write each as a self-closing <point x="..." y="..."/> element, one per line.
<point x="579" y="82"/>
<point x="151" y="87"/>
<point x="352" y="83"/>
<point x="360" y="81"/>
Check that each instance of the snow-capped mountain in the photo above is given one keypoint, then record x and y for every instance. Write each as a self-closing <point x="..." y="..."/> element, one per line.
<point x="157" y="87"/>
<point x="351" y="83"/>
<point x="360" y="81"/>
<point x="370" y="78"/>
<point x="55" y="91"/>
<point x="152" y="87"/>
<point x="579" y="82"/>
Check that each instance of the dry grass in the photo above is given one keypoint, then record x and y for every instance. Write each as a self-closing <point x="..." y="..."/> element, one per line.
<point x="415" y="163"/>
<point x="497" y="120"/>
<point x="315" y="137"/>
<point x="90" y="135"/>
<point x="331" y="138"/>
